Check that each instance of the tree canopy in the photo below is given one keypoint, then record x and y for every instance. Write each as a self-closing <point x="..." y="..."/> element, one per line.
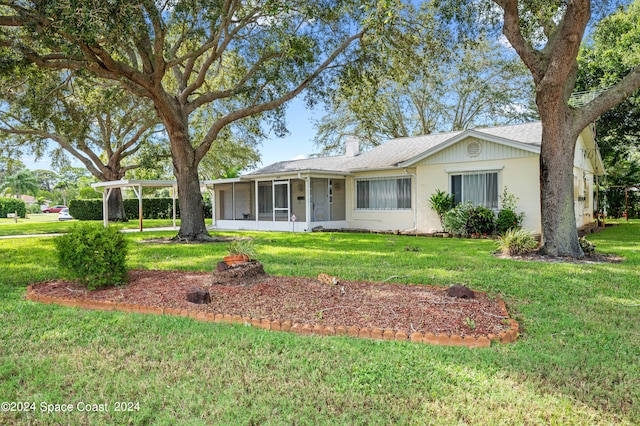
<point x="234" y="58"/>
<point x="607" y="56"/>
<point x="428" y="77"/>
<point x="95" y="121"/>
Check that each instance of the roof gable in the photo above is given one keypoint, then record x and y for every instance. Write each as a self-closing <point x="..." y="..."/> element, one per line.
<point x="521" y="138"/>
<point x="473" y="148"/>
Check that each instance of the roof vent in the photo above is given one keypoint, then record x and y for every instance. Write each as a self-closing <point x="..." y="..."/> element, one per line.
<point x="474" y="148"/>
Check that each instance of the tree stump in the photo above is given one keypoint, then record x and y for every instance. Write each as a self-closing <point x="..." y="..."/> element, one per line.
<point x="240" y="274"/>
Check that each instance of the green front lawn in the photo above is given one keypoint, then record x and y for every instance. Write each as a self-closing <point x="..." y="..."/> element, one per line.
<point x="576" y="362"/>
<point x="49" y="224"/>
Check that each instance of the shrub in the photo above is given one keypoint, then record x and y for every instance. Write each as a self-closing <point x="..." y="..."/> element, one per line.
<point x="12" y="205"/>
<point x="152" y="208"/>
<point x="86" y="209"/>
<point x="481" y="220"/>
<point x="508" y="219"/>
<point x="441" y="203"/>
<point x="587" y="246"/>
<point x="517" y="241"/>
<point x="93" y="255"/>
<point x="455" y="220"/>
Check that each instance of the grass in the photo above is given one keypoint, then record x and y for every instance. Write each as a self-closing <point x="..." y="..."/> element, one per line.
<point x="576" y="362"/>
<point x="35" y="224"/>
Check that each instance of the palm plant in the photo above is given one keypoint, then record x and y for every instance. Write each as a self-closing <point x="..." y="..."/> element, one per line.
<point x="21" y="182"/>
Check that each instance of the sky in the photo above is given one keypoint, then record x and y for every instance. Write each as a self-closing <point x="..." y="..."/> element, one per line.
<point x="298" y="144"/>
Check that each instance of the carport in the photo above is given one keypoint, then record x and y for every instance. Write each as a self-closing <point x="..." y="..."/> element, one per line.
<point x="136" y="185"/>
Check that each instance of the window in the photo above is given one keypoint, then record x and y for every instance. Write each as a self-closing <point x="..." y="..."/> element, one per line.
<point x="383" y="193"/>
<point x="481" y="188"/>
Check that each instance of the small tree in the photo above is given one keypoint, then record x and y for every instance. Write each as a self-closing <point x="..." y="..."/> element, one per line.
<point x="441" y="202"/>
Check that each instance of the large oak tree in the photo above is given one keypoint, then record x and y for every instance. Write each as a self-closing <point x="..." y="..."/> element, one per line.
<point x="95" y="121"/>
<point x="561" y="26"/>
<point x="237" y="58"/>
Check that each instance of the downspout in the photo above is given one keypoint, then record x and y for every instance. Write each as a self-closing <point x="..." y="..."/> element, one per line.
<point x="414" y="205"/>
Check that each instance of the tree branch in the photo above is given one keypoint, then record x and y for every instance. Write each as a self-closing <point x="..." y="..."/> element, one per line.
<point x="241" y="113"/>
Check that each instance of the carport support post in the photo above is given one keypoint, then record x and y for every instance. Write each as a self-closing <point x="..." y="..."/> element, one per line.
<point x="138" y="192"/>
<point x="140" y="205"/>
<point x="105" y="206"/>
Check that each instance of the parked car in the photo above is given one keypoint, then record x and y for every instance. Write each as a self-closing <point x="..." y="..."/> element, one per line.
<point x="64" y="214"/>
<point x="53" y="209"/>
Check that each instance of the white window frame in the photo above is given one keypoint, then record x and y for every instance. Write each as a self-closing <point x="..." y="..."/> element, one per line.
<point x="494" y="205"/>
<point x="385" y="178"/>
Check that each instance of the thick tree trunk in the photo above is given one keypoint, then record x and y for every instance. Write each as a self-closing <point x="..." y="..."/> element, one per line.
<point x="116" y="203"/>
<point x="116" y="207"/>
<point x="185" y="169"/>
<point x="192" y="225"/>
<point x="559" y="232"/>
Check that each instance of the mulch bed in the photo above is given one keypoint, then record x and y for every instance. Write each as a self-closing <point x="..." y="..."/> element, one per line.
<point x="399" y="307"/>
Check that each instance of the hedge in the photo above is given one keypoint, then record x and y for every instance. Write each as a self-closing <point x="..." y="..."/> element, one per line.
<point x="152" y="208"/>
<point x="13" y="205"/>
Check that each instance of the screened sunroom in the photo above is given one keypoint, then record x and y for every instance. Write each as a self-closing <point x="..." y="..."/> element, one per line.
<point x="296" y="203"/>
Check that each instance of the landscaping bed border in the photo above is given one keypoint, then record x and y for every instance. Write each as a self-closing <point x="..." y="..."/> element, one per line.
<point x="507" y="336"/>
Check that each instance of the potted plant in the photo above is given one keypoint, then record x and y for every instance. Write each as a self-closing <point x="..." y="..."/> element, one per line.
<point x="240" y="251"/>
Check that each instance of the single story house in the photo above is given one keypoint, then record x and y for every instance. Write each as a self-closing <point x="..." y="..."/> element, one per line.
<point x="388" y="187"/>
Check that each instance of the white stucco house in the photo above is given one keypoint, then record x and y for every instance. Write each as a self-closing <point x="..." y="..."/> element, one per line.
<point x="388" y="187"/>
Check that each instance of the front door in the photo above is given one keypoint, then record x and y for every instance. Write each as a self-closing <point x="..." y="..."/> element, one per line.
<point x="320" y="199"/>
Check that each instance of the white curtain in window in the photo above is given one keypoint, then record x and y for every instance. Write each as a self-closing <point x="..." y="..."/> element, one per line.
<point x="479" y="188"/>
<point x="474" y="186"/>
<point x="384" y="194"/>
<point x="491" y="199"/>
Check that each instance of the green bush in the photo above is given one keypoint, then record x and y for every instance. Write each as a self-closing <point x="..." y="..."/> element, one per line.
<point x="86" y="209"/>
<point x="152" y="208"/>
<point x="441" y="203"/>
<point x="517" y="241"/>
<point x="508" y="219"/>
<point x="12" y="205"/>
<point x="481" y="220"/>
<point x="455" y="220"/>
<point x="93" y="255"/>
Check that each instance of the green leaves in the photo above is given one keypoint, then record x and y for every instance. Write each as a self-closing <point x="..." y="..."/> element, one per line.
<point x="93" y="255"/>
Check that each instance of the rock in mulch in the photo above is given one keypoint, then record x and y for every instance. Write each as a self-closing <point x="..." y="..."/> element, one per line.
<point x="198" y="295"/>
<point x="460" y="292"/>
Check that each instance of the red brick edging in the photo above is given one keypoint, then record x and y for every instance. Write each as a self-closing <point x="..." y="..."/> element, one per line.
<point x="508" y="336"/>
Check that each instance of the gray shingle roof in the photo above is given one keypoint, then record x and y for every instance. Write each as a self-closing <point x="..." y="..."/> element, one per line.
<point x="329" y="164"/>
<point x="397" y="151"/>
<point x="528" y="133"/>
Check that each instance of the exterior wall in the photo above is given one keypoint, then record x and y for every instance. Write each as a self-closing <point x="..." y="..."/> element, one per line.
<point x="380" y="220"/>
<point x="298" y="199"/>
<point x="339" y="198"/>
<point x="584" y="183"/>
<point x="518" y="171"/>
